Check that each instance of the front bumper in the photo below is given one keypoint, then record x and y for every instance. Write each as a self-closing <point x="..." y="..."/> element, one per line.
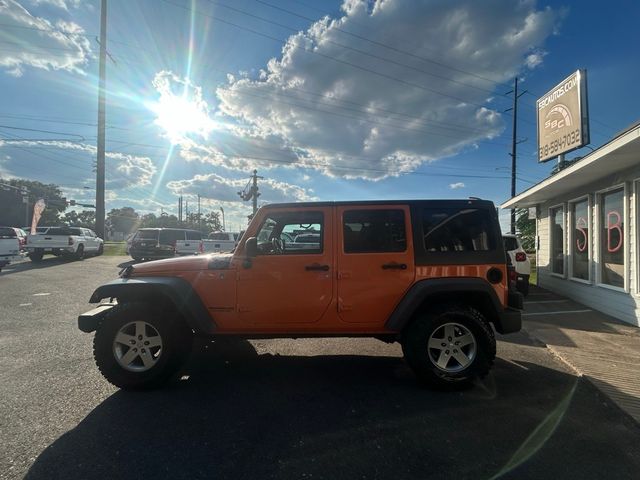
<point x="90" y="321"/>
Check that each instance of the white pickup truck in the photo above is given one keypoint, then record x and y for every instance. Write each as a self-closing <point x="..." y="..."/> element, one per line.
<point x="221" y="242"/>
<point x="9" y="246"/>
<point x="75" y="241"/>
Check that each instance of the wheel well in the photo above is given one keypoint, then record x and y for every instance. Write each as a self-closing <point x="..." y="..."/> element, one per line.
<point x="479" y="301"/>
<point x="159" y="301"/>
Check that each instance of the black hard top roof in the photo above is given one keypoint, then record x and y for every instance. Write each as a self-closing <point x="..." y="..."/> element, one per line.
<point x="353" y="203"/>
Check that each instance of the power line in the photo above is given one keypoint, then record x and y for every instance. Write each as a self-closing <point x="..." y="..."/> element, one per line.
<point x="329" y="57"/>
<point x="341" y="45"/>
<point x="380" y="44"/>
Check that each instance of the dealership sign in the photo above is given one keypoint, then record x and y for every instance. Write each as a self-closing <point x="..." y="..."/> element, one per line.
<point x="563" y="117"/>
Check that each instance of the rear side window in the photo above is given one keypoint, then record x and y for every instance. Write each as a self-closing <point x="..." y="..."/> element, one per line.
<point x="370" y="231"/>
<point x="169" y="237"/>
<point x="6" y="232"/>
<point x="194" y="235"/>
<point x="76" y="231"/>
<point x="60" y="231"/>
<point x="457" y="230"/>
<point x="510" y="243"/>
<point x="219" y="236"/>
<point x="146" y="235"/>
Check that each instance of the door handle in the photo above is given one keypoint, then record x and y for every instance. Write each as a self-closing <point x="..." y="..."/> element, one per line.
<point x="317" y="267"/>
<point x="394" y="266"/>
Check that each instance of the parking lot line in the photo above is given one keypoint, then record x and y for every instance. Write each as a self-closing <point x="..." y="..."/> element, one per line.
<point x="41" y="294"/>
<point x="537" y="314"/>
<point x="25" y="304"/>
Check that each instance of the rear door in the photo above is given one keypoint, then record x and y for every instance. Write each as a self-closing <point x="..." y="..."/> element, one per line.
<point x="375" y="261"/>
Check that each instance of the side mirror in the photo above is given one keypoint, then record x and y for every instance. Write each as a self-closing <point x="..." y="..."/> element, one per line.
<point x="251" y="247"/>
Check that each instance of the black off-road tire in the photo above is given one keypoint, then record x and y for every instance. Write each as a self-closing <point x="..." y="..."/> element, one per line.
<point x="416" y="336"/>
<point x="36" y="256"/>
<point x="176" y="336"/>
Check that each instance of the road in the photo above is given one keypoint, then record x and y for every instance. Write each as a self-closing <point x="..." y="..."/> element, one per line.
<point x="317" y="409"/>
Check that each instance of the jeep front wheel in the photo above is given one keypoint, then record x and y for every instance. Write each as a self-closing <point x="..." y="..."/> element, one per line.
<point x="449" y="347"/>
<point x="139" y="347"/>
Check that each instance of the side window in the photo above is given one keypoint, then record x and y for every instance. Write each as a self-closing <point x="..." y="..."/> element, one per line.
<point x="370" y="231"/>
<point x="457" y="230"/>
<point x="291" y="233"/>
<point x="193" y="235"/>
<point x="169" y="237"/>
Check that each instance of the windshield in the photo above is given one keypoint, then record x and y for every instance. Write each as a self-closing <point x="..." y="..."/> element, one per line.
<point x="146" y="235"/>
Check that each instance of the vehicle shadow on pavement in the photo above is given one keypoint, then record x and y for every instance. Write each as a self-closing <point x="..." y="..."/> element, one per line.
<point x="29" y="265"/>
<point x="243" y="415"/>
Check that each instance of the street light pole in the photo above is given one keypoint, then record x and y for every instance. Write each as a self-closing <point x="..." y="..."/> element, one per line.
<point x="100" y="164"/>
<point x="224" y="228"/>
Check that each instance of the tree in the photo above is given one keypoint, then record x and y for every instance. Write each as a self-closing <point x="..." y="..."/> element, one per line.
<point x="86" y="218"/>
<point x="14" y="211"/>
<point x="526" y="229"/>
<point x="125" y="220"/>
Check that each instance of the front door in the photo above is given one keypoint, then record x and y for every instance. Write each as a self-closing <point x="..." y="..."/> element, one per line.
<point x="375" y="261"/>
<point x="290" y="281"/>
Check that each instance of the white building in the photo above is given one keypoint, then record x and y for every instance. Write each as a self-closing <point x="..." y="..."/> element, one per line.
<point x="587" y="228"/>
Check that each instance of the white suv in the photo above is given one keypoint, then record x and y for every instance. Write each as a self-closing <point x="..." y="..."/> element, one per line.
<point x="519" y="260"/>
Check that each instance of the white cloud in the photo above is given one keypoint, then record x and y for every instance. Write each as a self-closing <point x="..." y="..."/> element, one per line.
<point x="218" y="188"/>
<point x="37" y="42"/>
<point x="122" y="170"/>
<point x="457" y="185"/>
<point x="63" y="4"/>
<point x="533" y="60"/>
<point x="346" y="125"/>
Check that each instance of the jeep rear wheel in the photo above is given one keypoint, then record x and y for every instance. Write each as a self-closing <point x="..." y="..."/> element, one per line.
<point x="140" y="347"/>
<point x="449" y="347"/>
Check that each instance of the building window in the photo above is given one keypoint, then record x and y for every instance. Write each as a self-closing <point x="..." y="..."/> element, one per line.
<point x="612" y="238"/>
<point x="581" y="240"/>
<point x="557" y="240"/>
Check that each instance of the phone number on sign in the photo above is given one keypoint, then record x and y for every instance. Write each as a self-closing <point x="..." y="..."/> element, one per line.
<point x="560" y="143"/>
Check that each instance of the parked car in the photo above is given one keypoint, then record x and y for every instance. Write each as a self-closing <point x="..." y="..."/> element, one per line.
<point x="520" y="261"/>
<point x="59" y="241"/>
<point x="158" y="243"/>
<point x="221" y="242"/>
<point x="11" y="245"/>
<point x="431" y="275"/>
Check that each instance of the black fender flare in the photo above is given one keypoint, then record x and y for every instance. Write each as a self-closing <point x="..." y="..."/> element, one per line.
<point x="176" y="290"/>
<point x="423" y="289"/>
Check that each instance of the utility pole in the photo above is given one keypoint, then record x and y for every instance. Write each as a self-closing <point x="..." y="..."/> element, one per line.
<point x="224" y="229"/>
<point x="252" y="193"/>
<point x="180" y="209"/>
<point x="100" y="167"/>
<point x="514" y="143"/>
<point x="199" y="218"/>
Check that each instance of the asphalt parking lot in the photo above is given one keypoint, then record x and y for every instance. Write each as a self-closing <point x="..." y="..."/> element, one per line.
<point x="338" y="408"/>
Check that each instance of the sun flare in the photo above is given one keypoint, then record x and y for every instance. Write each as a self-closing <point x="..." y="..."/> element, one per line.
<point x="179" y="116"/>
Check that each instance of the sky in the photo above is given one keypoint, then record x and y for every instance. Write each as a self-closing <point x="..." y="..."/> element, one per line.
<point x="328" y="100"/>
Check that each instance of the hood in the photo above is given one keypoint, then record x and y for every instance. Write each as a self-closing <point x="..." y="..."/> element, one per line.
<point x="181" y="264"/>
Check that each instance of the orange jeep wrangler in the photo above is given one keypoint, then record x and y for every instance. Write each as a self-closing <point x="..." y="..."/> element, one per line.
<point x="430" y="274"/>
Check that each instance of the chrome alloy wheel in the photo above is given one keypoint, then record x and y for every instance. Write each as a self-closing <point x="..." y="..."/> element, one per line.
<point x="137" y="346"/>
<point x="452" y="347"/>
